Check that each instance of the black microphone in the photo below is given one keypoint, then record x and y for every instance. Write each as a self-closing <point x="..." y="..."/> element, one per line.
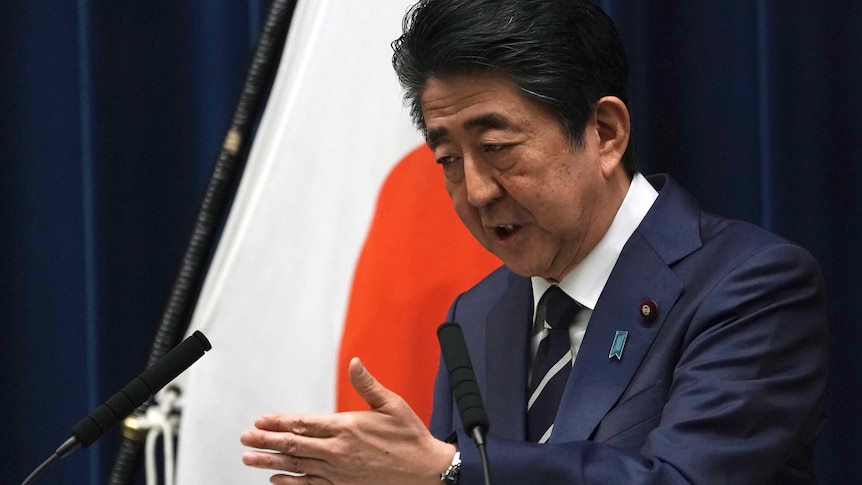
<point x="130" y="397"/>
<point x="462" y="382"/>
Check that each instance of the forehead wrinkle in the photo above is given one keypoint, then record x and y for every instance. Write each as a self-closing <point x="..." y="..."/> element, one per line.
<point x="441" y="104"/>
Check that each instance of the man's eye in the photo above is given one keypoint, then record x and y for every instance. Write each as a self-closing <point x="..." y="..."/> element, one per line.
<point x="445" y="160"/>
<point x="492" y="148"/>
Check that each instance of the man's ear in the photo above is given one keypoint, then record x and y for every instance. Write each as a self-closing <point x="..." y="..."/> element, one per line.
<point x="614" y="129"/>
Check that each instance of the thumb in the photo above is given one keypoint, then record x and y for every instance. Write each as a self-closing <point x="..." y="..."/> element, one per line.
<point x="371" y="391"/>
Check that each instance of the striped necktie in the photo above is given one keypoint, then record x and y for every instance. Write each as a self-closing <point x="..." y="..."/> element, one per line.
<point x="552" y="364"/>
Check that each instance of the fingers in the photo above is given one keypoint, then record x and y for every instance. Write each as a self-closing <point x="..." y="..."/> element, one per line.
<point x="343" y="447"/>
<point x="306" y="425"/>
<point x="298" y="480"/>
<point x="371" y="391"/>
<point x="285" y="463"/>
<point x="289" y="443"/>
<point x="289" y="452"/>
<point x="279" y="461"/>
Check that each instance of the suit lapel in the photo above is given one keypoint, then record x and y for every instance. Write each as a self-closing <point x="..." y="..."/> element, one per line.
<point x="669" y="232"/>
<point x="597" y="381"/>
<point x="506" y="354"/>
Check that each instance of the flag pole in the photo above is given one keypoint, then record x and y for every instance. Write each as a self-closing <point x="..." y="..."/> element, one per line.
<point x="212" y="212"/>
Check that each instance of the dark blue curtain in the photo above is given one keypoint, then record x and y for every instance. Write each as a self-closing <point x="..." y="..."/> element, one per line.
<point x="112" y="114"/>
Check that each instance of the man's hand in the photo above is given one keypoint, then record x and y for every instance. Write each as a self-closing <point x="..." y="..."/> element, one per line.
<point x="388" y="444"/>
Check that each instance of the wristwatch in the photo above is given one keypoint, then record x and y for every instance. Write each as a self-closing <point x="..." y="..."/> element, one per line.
<point x="452" y="474"/>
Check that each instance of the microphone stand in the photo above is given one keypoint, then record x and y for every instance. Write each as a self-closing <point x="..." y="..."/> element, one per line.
<point x="214" y="207"/>
<point x="478" y="435"/>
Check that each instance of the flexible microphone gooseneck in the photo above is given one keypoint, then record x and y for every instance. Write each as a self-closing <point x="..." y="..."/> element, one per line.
<point x="123" y="403"/>
<point x="462" y="382"/>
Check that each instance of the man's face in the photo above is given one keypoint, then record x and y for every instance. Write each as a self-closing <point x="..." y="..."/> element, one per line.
<point x="516" y="181"/>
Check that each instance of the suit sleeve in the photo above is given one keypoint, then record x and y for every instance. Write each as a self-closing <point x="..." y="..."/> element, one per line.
<point x="746" y="392"/>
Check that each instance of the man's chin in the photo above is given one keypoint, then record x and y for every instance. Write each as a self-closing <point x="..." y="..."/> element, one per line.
<point x="521" y="269"/>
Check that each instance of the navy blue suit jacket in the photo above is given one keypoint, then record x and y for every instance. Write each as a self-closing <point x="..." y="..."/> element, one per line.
<point x="724" y="386"/>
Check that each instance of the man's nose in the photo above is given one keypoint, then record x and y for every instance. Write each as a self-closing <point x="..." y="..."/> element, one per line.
<point x="481" y="183"/>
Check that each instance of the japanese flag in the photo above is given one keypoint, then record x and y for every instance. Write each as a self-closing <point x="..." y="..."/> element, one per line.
<point x="341" y="242"/>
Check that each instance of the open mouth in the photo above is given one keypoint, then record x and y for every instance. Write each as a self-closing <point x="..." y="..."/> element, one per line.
<point x="506" y="231"/>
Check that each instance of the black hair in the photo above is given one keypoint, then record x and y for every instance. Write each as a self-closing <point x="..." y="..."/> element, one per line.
<point x="565" y="54"/>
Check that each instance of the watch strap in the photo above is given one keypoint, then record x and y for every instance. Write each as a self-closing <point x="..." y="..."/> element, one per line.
<point x="452" y="474"/>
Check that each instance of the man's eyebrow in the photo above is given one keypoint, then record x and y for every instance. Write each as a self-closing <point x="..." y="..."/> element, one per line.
<point x="432" y="137"/>
<point x="487" y="121"/>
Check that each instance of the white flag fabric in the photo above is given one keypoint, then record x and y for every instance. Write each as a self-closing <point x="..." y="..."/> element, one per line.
<point x="275" y="299"/>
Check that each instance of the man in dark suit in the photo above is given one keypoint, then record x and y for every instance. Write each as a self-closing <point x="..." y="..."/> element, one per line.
<point x="691" y="348"/>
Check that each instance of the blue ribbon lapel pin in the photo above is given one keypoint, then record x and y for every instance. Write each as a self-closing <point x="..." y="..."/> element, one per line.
<point x="618" y="345"/>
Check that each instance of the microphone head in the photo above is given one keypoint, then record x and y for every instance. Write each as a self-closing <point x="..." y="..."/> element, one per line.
<point x="202" y="340"/>
<point x="462" y="379"/>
